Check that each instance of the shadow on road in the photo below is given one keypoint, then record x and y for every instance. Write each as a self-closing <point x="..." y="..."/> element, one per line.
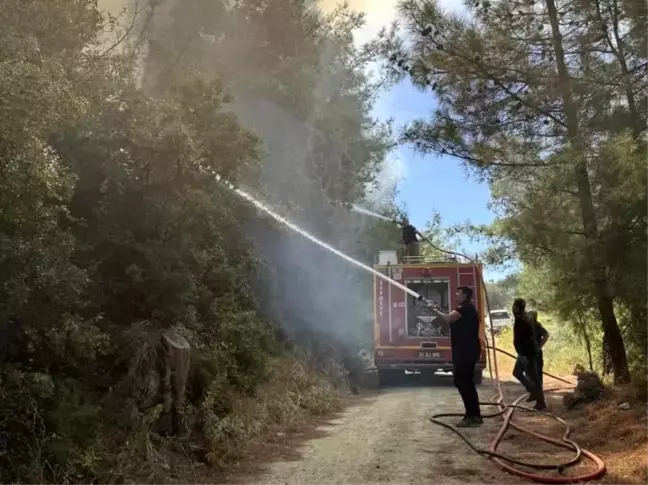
<point x="443" y="379"/>
<point x="416" y="380"/>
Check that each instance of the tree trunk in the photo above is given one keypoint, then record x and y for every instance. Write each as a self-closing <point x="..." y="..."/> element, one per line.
<point x="174" y="360"/>
<point x="612" y="334"/>
<point x="605" y="356"/>
<point x="588" y="344"/>
<point x="605" y="302"/>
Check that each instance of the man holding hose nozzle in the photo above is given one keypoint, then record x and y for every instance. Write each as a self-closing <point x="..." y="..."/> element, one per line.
<point x="527" y="368"/>
<point x="466" y="350"/>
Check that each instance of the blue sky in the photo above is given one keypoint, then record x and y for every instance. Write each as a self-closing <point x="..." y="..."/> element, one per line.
<point x="430" y="182"/>
<point x="427" y="183"/>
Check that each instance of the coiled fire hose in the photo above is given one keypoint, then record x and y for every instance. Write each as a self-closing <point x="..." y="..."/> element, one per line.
<point x="504" y="462"/>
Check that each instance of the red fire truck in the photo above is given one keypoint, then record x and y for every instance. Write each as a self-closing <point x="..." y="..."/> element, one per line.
<point x="406" y="336"/>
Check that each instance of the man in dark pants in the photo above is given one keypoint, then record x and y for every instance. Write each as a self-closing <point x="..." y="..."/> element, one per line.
<point x="526" y="368"/>
<point x="412" y="246"/>
<point x="466" y="350"/>
<point x="541" y="337"/>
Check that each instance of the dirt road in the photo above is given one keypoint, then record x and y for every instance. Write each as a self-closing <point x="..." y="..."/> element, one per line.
<point x="387" y="438"/>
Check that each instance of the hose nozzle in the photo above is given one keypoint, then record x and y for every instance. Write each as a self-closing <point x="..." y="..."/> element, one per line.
<point x="428" y="303"/>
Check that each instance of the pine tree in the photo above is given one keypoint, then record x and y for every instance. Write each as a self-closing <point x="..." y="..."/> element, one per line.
<point x="533" y="96"/>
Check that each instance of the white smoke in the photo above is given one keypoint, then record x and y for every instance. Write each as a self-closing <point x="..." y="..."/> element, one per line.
<point x="391" y="174"/>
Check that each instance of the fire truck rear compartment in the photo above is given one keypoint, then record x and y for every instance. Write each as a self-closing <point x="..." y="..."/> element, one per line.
<point x="420" y="323"/>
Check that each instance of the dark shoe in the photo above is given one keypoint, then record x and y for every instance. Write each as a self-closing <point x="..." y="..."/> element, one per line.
<point x="531" y="398"/>
<point x="541" y="405"/>
<point x="470" y="422"/>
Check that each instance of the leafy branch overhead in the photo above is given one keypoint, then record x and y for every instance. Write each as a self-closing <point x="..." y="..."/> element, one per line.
<point x="546" y="101"/>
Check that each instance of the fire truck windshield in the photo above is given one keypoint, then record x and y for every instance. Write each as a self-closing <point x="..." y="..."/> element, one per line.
<point x="419" y="322"/>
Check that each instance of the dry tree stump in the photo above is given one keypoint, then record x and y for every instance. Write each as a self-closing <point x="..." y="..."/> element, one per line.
<point x="174" y="358"/>
<point x="158" y="374"/>
<point x="588" y="388"/>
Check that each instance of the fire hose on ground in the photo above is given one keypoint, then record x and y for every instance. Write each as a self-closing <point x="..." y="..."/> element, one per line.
<point x="507" y="463"/>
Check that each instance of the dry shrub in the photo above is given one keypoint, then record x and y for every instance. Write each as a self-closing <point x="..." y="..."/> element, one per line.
<point x="589" y="388"/>
<point x="292" y="390"/>
<point x="618" y="436"/>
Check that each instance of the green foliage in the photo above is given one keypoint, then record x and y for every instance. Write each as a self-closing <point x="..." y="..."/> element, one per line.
<point x="443" y="239"/>
<point x="114" y="226"/>
<point x="502" y="293"/>
<point x="547" y="103"/>
<point x="561" y="353"/>
<point x="148" y="200"/>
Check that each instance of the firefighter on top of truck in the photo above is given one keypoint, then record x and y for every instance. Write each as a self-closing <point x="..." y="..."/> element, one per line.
<point x="411" y="243"/>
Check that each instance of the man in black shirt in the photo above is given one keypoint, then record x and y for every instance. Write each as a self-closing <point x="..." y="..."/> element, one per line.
<point x="526" y="368"/>
<point x="466" y="350"/>
<point x="410" y="241"/>
<point x="542" y="335"/>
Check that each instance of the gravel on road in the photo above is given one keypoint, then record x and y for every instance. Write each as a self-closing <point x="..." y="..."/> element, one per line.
<point x="387" y="438"/>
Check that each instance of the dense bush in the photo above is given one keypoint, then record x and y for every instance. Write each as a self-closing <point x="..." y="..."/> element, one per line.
<point x="114" y="228"/>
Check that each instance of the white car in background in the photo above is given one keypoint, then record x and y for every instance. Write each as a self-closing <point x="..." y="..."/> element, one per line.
<point x="498" y="319"/>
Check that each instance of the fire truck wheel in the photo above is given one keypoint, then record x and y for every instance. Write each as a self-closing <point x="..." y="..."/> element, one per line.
<point x="370" y="379"/>
<point x="478" y="377"/>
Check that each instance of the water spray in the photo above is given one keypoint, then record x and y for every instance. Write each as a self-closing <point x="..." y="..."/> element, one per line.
<point x="367" y="212"/>
<point x="310" y="237"/>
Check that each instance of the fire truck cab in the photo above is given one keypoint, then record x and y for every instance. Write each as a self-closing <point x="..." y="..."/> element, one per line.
<point x="406" y="337"/>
